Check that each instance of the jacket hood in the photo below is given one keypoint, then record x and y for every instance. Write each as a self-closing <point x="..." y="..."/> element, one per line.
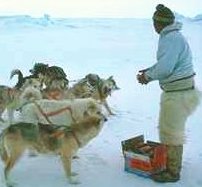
<point x="176" y="26"/>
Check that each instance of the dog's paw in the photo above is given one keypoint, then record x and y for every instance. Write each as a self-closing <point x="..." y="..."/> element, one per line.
<point x="74" y="180"/>
<point x="32" y="153"/>
<point x="73" y="174"/>
<point x="75" y="157"/>
<point x="112" y="114"/>
<point x="10" y="184"/>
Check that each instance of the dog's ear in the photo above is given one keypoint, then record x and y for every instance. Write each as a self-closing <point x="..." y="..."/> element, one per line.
<point x="111" y="77"/>
<point x="88" y="121"/>
<point x="115" y="86"/>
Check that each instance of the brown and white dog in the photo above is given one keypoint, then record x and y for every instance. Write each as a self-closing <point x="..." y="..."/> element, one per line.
<point x="45" y="138"/>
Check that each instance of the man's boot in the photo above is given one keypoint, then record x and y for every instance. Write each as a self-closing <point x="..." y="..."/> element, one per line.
<point x="173" y="166"/>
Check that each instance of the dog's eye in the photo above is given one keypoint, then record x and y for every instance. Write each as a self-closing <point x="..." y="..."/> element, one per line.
<point x="35" y="86"/>
<point x="107" y="90"/>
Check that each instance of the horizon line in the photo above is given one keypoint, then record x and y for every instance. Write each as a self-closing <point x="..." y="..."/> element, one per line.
<point x="84" y="17"/>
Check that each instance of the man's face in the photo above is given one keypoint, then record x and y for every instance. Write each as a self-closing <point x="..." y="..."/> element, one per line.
<point x="157" y="26"/>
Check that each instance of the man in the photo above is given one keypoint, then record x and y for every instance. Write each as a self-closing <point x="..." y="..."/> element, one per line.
<point x="174" y="71"/>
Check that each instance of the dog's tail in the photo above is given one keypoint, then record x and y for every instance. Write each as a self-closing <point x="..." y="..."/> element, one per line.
<point x="20" y="77"/>
<point x="3" y="151"/>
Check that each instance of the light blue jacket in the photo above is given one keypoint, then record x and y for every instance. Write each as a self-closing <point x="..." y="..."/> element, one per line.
<point x="174" y="58"/>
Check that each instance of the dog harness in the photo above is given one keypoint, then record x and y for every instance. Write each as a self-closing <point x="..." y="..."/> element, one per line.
<point x="53" y="113"/>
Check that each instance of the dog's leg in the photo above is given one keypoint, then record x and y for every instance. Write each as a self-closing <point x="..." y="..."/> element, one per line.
<point x="14" y="155"/>
<point x="107" y="108"/>
<point x="10" y="113"/>
<point x="2" y="108"/>
<point x="1" y="119"/>
<point x="66" y="161"/>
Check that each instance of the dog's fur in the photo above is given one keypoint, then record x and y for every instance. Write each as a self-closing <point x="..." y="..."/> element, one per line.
<point x="55" y="78"/>
<point x="54" y="89"/>
<point x="52" y="76"/>
<point x="30" y="94"/>
<point x="90" y="86"/>
<point x="95" y="87"/>
<point x="65" y="141"/>
<point x="61" y="112"/>
<point x="38" y="72"/>
<point x="7" y="95"/>
<point x="10" y="97"/>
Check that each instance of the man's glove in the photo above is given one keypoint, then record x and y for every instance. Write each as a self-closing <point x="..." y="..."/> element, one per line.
<point x="142" y="78"/>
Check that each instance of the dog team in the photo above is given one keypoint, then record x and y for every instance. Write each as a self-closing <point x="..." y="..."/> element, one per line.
<point x="53" y="117"/>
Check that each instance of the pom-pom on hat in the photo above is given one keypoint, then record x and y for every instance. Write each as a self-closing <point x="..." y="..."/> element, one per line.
<point x="163" y="14"/>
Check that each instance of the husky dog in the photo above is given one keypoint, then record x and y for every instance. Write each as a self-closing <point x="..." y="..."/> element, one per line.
<point x="52" y="76"/>
<point x="45" y="138"/>
<point x="30" y="93"/>
<point x="95" y="87"/>
<point x="7" y="95"/>
<point x="61" y="112"/>
<point x="38" y="72"/>
<point x="10" y="97"/>
<point x="55" y="78"/>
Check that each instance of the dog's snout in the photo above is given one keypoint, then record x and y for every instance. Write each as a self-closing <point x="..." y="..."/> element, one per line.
<point x="105" y="119"/>
<point x="117" y="88"/>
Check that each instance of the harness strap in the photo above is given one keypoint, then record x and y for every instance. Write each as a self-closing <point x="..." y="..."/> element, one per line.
<point x="57" y="134"/>
<point x="76" y="138"/>
<point x="53" y="113"/>
<point x="43" y="113"/>
<point x="61" y="133"/>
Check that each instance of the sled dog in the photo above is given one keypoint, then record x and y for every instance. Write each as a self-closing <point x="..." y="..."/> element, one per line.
<point x="44" y="138"/>
<point x="95" y="87"/>
<point x="10" y="97"/>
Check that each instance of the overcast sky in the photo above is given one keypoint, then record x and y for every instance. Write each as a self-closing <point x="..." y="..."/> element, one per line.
<point x="97" y="8"/>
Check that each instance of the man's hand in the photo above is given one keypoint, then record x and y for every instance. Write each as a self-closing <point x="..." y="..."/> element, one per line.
<point x="141" y="78"/>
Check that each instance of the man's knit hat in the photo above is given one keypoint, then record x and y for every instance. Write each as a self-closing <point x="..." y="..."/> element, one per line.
<point x="163" y="14"/>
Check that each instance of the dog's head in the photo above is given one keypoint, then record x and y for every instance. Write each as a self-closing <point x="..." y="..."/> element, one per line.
<point x="32" y="82"/>
<point x="93" y="120"/>
<point x="55" y="78"/>
<point x="92" y="79"/>
<point x="94" y="109"/>
<point x="56" y="72"/>
<point x="108" y="86"/>
<point x="30" y="91"/>
<point x="39" y="68"/>
<point x="55" y="84"/>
